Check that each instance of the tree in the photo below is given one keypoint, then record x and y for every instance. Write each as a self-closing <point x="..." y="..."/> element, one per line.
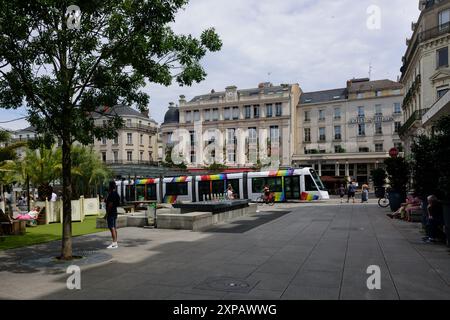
<point x="442" y="151"/>
<point x="65" y="65"/>
<point x="398" y="174"/>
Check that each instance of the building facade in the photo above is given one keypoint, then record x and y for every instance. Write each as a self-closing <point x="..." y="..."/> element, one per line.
<point x="346" y="132"/>
<point x="239" y="125"/>
<point x="425" y="70"/>
<point x="136" y="142"/>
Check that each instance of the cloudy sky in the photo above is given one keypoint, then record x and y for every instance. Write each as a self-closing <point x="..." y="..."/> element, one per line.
<point x="317" y="43"/>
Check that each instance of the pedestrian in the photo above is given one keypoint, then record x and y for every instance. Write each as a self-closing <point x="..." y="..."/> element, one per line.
<point x="351" y="191"/>
<point x="365" y="193"/>
<point x="230" y="192"/>
<point x="341" y="192"/>
<point x="434" y="219"/>
<point x="112" y="202"/>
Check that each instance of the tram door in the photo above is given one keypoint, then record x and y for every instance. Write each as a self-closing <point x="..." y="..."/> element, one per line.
<point x="292" y="187"/>
<point x="204" y="192"/>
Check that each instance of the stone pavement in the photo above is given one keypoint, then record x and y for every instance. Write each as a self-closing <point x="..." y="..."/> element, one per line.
<point x="289" y="251"/>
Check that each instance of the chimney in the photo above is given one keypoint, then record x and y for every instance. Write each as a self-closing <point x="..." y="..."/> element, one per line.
<point x="181" y="101"/>
<point x="171" y="105"/>
<point x="145" y="113"/>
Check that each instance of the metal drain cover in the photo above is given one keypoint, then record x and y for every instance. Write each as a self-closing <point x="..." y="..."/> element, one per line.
<point x="227" y="284"/>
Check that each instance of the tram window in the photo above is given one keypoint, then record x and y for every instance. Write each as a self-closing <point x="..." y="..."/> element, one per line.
<point x="130" y="193"/>
<point x="140" y="192"/>
<point x="257" y="185"/>
<point x="151" y="192"/>
<point x="235" y="185"/>
<point x="177" y="189"/>
<point x="218" y="187"/>
<point x="317" y="179"/>
<point x="275" y="184"/>
<point x="309" y="184"/>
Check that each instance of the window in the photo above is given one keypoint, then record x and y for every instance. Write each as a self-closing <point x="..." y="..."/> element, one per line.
<point x="442" y="58"/>
<point x="116" y="140"/>
<point x="361" y="129"/>
<point x="274" y="134"/>
<point x="364" y="149"/>
<point x="129" y="155"/>
<point x="337" y="133"/>
<point x="207" y="114"/>
<point x="378" y="93"/>
<point x="360" y="111"/>
<point x="397" y="126"/>
<point x="275" y="184"/>
<point x="359" y="95"/>
<point x="196" y="115"/>
<point x="248" y="112"/>
<point x="188" y="116"/>
<point x="128" y="122"/>
<point x="378" y="110"/>
<point x="337" y="113"/>
<point x="321" y="115"/>
<point x="278" y="109"/>
<point x="141" y="156"/>
<point x="268" y="110"/>
<point x="129" y="138"/>
<point x="104" y="156"/>
<point x="215" y="114"/>
<point x="441" y="92"/>
<point x="378" y="147"/>
<point x="378" y="128"/>
<point x="256" y="111"/>
<point x="141" y="139"/>
<point x="192" y="137"/>
<point x="322" y="134"/>
<point x="115" y="156"/>
<point x="103" y="140"/>
<point x="444" y="19"/>
<point x="397" y="108"/>
<point x="307" y="116"/>
<point x="177" y="189"/>
<point x="307" y="134"/>
<point x="235" y="113"/>
<point x="309" y="184"/>
<point x="227" y="113"/>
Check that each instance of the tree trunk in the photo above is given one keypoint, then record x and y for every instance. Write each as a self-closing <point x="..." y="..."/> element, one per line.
<point x="66" y="250"/>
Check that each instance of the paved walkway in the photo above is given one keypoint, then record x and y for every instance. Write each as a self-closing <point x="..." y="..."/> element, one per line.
<point x="311" y="252"/>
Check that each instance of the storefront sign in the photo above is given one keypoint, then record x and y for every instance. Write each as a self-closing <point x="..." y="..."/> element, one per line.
<point x="376" y="119"/>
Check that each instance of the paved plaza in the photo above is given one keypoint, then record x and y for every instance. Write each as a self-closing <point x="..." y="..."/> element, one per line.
<point x="289" y="251"/>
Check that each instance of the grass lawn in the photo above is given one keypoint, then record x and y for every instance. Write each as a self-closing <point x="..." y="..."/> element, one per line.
<point x="49" y="232"/>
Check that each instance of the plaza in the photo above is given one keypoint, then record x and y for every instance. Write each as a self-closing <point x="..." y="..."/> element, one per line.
<point x="290" y="251"/>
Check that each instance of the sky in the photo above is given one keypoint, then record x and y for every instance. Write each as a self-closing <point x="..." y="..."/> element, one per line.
<point x="319" y="44"/>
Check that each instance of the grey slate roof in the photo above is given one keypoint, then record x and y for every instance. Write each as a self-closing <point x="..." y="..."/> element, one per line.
<point x="373" y="85"/>
<point x="172" y="115"/>
<point x="243" y="92"/>
<point x="121" y="110"/>
<point x="323" y="96"/>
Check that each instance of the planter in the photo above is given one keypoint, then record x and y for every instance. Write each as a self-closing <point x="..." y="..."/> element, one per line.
<point x="395" y="200"/>
<point x="379" y="192"/>
<point x="446" y="211"/>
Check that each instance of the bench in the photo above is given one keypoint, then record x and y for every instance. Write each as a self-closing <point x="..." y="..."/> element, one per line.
<point x="415" y="215"/>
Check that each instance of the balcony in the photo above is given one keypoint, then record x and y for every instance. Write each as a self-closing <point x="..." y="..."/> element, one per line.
<point x="141" y="127"/>
<point x="133" y="162"/>
<point x="416" y="116"/>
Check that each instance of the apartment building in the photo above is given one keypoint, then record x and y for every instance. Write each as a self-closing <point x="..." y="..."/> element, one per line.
<point x="425" y="70"/>
<point x="135" y="144"/>
<point x="245" y="121"/>
<point x="347" y="132"/>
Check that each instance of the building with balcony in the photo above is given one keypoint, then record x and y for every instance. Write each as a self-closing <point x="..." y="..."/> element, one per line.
<point x="242" y="127"/>
<point x="136" y="146"/>
<point x="347" y="132"/>
<point x="425" y="70"/>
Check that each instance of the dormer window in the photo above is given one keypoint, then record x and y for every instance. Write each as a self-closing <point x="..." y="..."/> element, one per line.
<point x="444" y="19"/>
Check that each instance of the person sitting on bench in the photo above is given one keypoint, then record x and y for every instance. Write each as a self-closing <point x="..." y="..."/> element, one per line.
<point x="32" y="215"/>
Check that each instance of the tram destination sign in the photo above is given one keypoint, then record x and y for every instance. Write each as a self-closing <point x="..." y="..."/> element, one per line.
<point x="376" y="119"/>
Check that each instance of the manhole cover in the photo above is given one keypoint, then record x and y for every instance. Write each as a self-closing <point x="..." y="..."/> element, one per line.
<point x="227" y="284"/>
<point x="88" y="257"/>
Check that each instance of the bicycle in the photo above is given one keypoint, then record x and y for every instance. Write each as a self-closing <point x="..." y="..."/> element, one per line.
<point x="267" y="200"/>
<point x="383" y="202"/>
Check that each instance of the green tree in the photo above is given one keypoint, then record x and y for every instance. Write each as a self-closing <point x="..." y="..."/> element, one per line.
<point x="64" y="72"/>
<point x="398" y="174"/>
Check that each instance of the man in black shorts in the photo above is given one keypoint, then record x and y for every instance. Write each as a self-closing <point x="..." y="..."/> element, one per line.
<point x="112" y="202"/>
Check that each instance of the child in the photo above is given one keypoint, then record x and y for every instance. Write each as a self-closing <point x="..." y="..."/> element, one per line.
<point x="342" y="192"/>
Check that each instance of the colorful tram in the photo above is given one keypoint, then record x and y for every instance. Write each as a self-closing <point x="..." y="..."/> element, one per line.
<point x="286" y="185"/>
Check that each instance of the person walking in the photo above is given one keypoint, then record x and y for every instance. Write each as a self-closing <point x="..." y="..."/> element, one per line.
<point x="341" y="192"/>
<point x="351" y="191"/>
<point x="365" y="193"/>
<point x="112" y="202"/>
<point x="230" y="192"/>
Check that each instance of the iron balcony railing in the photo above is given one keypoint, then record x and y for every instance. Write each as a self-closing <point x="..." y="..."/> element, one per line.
<point x="132" y="162"/>
<point x="416" y="116"/>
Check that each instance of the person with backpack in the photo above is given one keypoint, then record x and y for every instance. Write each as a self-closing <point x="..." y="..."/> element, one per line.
<point x="351" y="191"/>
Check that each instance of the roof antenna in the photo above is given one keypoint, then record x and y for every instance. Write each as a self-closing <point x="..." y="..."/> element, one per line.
<point x="370" y="70"/>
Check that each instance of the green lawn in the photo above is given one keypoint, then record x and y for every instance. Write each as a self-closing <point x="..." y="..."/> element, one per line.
<point x="49" y="232"/>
